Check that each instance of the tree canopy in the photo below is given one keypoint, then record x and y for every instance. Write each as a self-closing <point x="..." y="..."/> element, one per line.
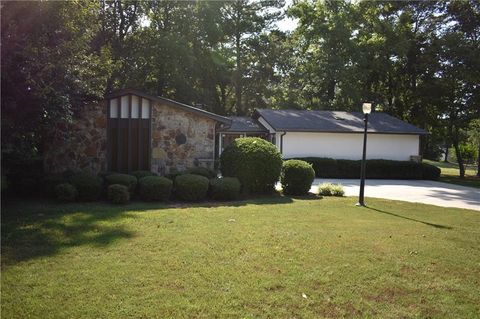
<point x="418" y="61"/>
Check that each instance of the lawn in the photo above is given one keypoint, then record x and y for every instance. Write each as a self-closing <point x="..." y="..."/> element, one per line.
<point x="268" y="258"/>
<point x="450" y="174"/>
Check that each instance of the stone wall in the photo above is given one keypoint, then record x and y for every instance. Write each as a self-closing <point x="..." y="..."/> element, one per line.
<point x="180" y="139"/>
<point x="80" y="145"/>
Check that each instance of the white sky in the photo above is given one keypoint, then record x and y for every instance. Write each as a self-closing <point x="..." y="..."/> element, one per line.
<point x="287" y="24"/>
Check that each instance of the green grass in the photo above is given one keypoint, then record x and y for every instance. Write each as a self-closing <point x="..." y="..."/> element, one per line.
<point x="249" y="259"/>
<point x="451" y="174"/>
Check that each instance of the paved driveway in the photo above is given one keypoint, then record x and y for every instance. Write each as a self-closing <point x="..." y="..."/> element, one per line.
<point x="427" y="192"/>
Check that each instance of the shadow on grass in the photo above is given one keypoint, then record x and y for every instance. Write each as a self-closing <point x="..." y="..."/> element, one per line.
<point x="409" y="218"/>
<point x="37" y="228"/>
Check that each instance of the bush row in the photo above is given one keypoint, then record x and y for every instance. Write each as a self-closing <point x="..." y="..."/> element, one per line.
<point x="120" y="188"/>
<point x="379" y="169"/>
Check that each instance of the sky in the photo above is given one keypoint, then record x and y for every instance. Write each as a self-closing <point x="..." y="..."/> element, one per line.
<point x="287" y="24"/>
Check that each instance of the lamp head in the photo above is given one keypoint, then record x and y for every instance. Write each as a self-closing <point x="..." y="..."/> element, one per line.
<point x="367" y="108"/>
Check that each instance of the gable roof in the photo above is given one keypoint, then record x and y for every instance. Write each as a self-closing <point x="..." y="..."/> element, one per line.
<point x="172" y="103"/>
<point x="244" y="124"/>
<point x="335" y="122"/>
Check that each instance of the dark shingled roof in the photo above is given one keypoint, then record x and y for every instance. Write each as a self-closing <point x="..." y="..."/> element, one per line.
<point x="335" y="122"/>
<point x="244" y="124"/>
<point x="172" y="103"/>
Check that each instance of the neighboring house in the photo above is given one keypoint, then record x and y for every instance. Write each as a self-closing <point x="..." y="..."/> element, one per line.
<point x="132" y="131"/>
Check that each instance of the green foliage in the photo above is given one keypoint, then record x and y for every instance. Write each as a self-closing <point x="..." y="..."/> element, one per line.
<point x="254" y="161"/>
<point x="155" y="188"/>
<point x="226" y="188"/>
<point x="123" y="179"/>
<point x="191" y="187"/>
<point x="65" y="192"/>
<point x="202" y="171"/>
<point x="171" y="176"/>
<point x="430" y="172"/>
<point x="141" y="174"/>
<point x="51" y="181"/>
<point x="378" y="169"/>
<point x="118" y="194"/>
<point x="329" y="189"/>
<point x="4" y="183"/>
<point x="297" y="177"/>
<point x="89" y="186"/>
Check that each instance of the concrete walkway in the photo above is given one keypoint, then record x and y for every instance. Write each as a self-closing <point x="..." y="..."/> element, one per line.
<point x="426" y="192"/>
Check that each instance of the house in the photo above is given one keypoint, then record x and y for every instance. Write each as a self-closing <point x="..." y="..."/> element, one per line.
<point x="132" y="130"/>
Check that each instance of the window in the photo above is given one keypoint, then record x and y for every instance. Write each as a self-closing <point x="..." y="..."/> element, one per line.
<point x="128" y="134"/>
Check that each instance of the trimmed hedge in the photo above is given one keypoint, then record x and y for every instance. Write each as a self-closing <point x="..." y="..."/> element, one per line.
<point x="430" y="172"/>
<point x="155" y="188"/>
<point x="66" y="192"/>
<point x="50" y="182"/>
<point x="202" y="171"/>
<point x="191" y="187"/>
<point x="123" y="179"/>
<point x="118" y="194"/>
<point x="226" y="188"/>
<point x="254" y="161"/>
<point x="376" y="169"/>
<point x="297" y="177"/>
<point x="141" y="174"/>
<point x="89" y="186"/>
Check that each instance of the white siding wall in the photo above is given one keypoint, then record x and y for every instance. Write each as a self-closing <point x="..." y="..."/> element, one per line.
<point x="349" y="146"/>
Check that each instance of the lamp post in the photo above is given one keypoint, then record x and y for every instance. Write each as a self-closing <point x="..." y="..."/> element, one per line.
<point x="367" y="109"/>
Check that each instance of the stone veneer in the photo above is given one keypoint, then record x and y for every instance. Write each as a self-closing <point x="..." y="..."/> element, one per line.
<point x="80" y="145"/>
<point x="180" y="139"/>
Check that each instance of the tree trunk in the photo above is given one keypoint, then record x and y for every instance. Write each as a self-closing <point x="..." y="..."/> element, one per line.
<point x="238" y="76"/>
<point x="478" y="161"/>
<point x="461" y="165"/>
<point x="446" y="154"/>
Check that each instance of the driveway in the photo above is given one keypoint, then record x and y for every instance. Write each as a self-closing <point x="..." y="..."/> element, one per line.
<point x="426" y="192"/>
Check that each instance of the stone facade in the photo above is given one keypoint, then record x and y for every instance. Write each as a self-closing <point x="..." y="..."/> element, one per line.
<point x="180" y="139"/>
<point x="80" y="145"/>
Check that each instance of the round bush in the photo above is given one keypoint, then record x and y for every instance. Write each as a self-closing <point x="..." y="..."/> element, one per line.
<point x="226" y="188"/>
<point x="66" y="192"/>
<point x="202" y="171"/>
<point x="118" y="194"/>
<point x="430" y="172"/>
<point x="173" y="175"/>
<point x="141" y="174"/>
<point x="50" y="182"/>
<point x="297" y="177"/>
<point x="89" y="187"/>
<point x="123" y="179"/>
<point x="191" y="187"/>
<point x="153" y="188"/>
<point x="254" y="161"/>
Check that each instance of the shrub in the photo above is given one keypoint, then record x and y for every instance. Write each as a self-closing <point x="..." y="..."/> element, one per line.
<point x="376" y="168"/>
<point x="254" y="161"/>
<point x="329" y="189"/>
<point x="89" y="187"/>
<point x="123" y="179"/>
<point x="430" y="172"/>
<point x="141" y="174"/>
<point x="118" y="194"/>
<point x="155" y="188"/>
<point x="50" y="182"/>
<point x="4" y="183"/>
<point x="173" y="175"/>
<point x="202" y="171"/>
<point x="226" y="188"/>
<point x="191" y="187"/>
<point x="65" y="192"/>
<point x="297" y="177"/>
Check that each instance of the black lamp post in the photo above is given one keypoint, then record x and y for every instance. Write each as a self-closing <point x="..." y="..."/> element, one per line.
<point x="367" y="109"/>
